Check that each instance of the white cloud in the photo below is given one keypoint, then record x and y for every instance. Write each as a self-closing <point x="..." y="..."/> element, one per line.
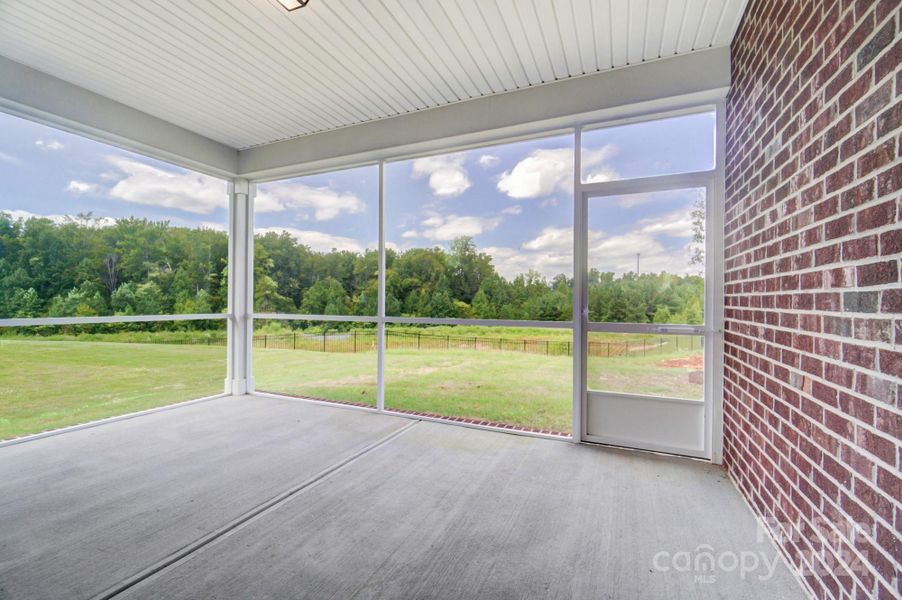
<point x="324" y="203"/>
<point x="447" y="175"/>
<point x="510" y="262"/>
<point x="618" y="254"/>
<point x="551" y="252"/>
<point x="677" y="224"/>
<point x="318" y="241"/>
<point x="410" y="233"/>
<point x="546" y="171"/>
<point x="50" y="144"/>
<point x="540" y="174"/>
<point x="12" y="160"/>
<point x="445" y="228"/>
<point x="61" y="219"/>
<point x="142" y="183"/>
<point x="555" y="239"/>
<point x="512" y="210"/>
<point x="81" y="187"/>
<point x="487" y="160"/>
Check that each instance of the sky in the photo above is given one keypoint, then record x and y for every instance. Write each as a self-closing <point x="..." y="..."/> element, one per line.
<point x="51" y="173"/>
<point x="515" y="200"/>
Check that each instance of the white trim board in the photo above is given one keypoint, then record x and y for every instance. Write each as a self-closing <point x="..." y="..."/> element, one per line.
<point x="667" y="84"/>
<point x="31" y="94"/>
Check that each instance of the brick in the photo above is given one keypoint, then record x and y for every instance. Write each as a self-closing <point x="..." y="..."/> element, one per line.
<point x="838" y="227"/>
<point x="891" y="301"/>
<point x="891" y="362"/>
<point x="859" y="463"/>
<point x="874" y="103"/>
<point x="889" y="62"/>
<point x="889" y="483"/>
<point x="881" y="447"/>
<point x="859" y="248"/>
<point x="855" y="92"/>
<point x="876" y="387"/>
<point x="826" y="162"/>
<point x="889" y="120"/>
<point x="876" y="216"/>
<point x="889" y="181"/>
<point x="855" y="143"/>
<point x="840" y="178"/>
<point x="874" y="330"/>
<point x="857" y="195"/>
<point x="891" y="242"/>
<point x="889" y="423"/>
<point x="857" y="408"/>
<point x="865" y="302"/>
<point x="873" y="499"/>
<point x="877" y="158"/>
<point x="883" y="38"/>
<point x="878" y="273"/>
<point x="861" y="356"/>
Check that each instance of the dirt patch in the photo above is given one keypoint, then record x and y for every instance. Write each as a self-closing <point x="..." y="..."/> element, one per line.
<point x="696" y="361"/>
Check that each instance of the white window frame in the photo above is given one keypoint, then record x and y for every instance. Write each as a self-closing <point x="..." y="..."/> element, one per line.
<point x="712" y="180"/>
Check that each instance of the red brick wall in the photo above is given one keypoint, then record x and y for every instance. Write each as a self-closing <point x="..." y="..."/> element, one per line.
<point x="813" y="357"/>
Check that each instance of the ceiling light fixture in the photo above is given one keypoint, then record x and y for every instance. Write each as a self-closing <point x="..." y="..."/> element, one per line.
<point x="293" y="4"/>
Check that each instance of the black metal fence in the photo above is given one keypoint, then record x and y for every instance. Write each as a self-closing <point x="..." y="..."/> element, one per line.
<point x="365" y="341"/>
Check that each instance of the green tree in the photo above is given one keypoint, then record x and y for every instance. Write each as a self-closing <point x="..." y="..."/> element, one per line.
<point x="325" y="297"/>
<point x="468" y="268"/>
<point x="482" y="306"/>
<point x="662" y="315"/>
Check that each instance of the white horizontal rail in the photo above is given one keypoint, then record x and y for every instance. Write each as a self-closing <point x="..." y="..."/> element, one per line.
<point x="484" y="322"/>
<point x="415" y="320"/>
<point x="657" y="183"/>
<point x="37" y="322"/>
<point x="681" y="329"/>
<point x="337" y="318"/>
<point x="646" y="328"/>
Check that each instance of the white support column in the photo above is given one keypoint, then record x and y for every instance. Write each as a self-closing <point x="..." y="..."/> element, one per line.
<point x="239" y="379"/>
<point x="715" y="315"/>
<point x="579" y="285"/>
<point x="380" y="348"/>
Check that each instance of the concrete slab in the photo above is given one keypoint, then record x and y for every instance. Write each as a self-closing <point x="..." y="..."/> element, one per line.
<point x="86" y="509"/>
<point x="448" y="512"/>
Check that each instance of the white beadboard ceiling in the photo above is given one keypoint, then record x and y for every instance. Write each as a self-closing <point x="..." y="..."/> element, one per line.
<point x="248" y="72"/>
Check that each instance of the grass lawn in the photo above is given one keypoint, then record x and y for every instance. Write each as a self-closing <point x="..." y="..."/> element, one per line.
<point x="47" y="384"/>
<point x="511" y="387"/>
<point x="50" y="384"/>
<point x="529" y="390"/>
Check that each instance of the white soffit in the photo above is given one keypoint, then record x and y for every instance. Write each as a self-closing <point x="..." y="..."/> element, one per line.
<point x="247" y="73"/>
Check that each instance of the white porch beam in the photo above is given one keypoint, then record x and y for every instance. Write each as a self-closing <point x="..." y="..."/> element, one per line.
<point x="34" y="95"/>
<point x="689" y="79"/>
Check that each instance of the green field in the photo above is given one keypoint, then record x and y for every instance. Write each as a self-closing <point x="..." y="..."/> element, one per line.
<point x="50" y="384"/>
<point x="46" y="384"/>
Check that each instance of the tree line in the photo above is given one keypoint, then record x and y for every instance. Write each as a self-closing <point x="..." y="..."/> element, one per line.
<point x="137" y="266"/>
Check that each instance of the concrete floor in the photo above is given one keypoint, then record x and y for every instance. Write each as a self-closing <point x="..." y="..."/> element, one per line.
<point x="263" y="498"/>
